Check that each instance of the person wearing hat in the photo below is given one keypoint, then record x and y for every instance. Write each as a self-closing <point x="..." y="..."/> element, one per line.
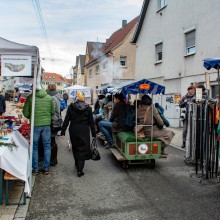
<point x="79" y="116"/>
<point x="189" y="97"/>
<point x="116" y="122"/>
<point x="144" y="116"/>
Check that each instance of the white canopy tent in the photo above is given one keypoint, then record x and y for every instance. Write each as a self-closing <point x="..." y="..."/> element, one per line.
<point x="86" y="90"/>
<point x="11" y="48"/>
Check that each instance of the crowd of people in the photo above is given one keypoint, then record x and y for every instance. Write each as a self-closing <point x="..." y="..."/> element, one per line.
<point x="107" y="118"/>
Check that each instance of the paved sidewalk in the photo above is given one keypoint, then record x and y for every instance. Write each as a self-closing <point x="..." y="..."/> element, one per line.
<point x="177" y="139"/>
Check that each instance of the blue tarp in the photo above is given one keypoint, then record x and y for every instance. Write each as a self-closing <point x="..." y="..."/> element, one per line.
<point x="134" y="88"/>
<point x="211" y="63"/>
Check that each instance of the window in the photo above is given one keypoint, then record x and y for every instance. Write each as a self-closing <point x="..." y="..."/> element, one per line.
<point x="59" y="84"/>
<point x="123" y="61"/>
<point x="190" y="42"/>
<point x="97" y="69"/>
<point x="105" y="65"/>
<point x="161" y="4"/>
<point x="90" y="73"/>
<point x="159" y="53"/>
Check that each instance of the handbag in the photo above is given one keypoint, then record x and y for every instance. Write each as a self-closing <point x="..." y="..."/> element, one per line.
<point x="58" y="126"/>
<point x="94" y="155"/>
<point x="139" y="130"/>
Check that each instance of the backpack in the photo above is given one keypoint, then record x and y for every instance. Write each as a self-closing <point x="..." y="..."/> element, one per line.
<point x="62" y="105"/>
<point x="130" y="116"/>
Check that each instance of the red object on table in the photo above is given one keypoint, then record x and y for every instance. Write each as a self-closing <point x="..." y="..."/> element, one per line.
<point x="22" y="100"/>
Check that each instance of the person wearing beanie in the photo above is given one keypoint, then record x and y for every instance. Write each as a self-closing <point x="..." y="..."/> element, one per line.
<point x="79" y="116"/>
<point x="145" y="111"/>
<point x="189" y="97"/>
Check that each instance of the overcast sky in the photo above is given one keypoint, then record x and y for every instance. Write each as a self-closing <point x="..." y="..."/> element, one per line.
<point x="69" y="25"/>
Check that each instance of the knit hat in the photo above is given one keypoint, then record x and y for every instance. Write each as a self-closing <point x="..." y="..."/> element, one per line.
<point x="146" y="100"/>
<point x="80" y="96"/>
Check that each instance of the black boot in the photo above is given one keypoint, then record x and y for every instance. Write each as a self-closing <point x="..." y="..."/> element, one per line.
<point x="54" y="150"/>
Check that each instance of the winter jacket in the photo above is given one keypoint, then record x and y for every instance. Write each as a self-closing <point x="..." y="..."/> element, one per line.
<point x="163" y="134"/>
<point x="79" y="115"/>
<point x="183" y="104"/>
<point x="44" y="108"/>
<point x="2" y="104"/>
<point x="118" y="117"/>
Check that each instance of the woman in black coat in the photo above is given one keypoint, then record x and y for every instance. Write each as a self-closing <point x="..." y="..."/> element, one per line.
<point x="80" y="116"/>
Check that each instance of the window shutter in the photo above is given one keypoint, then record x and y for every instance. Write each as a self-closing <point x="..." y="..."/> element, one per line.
<point x="190" y="39"/>
<point x="158" y="48"/>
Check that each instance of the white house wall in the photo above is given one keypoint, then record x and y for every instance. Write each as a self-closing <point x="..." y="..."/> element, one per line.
<point x="169" y="26"/>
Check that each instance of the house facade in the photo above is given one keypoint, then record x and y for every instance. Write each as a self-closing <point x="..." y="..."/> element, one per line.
<point x="53" y="78"/>
<point x="80" y="77"/>
<point x="172" y="40"/>
<point x="114" y="61"/>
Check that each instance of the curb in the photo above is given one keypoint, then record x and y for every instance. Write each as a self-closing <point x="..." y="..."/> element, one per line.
<point x="22" y="210"/>
<point x="177" y="147"/>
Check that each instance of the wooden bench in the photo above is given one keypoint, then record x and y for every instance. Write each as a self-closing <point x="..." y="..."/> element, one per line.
<point x="8" y="178"/>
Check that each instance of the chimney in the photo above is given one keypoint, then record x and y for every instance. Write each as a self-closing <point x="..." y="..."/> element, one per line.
<point x="124" y="22"/>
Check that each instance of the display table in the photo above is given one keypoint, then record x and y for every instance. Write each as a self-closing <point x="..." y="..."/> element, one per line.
<point x="16" y="161"/>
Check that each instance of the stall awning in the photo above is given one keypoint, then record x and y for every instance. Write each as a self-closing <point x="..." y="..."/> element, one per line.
<point x="143" y="86"/>
<point x="211" y="63"/>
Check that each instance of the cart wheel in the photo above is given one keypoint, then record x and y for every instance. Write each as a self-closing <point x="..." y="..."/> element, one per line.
<point x="152" y="163"/>
<point x="125" y="165"/>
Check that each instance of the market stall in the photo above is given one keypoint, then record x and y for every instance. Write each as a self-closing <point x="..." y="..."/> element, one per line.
<point x="73" y="89"/>
<point x="208" y="64"/>
<point x="18" y="60"/>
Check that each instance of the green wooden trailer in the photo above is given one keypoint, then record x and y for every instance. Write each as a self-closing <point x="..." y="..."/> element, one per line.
<point x="129" y="148"/>
<point x="128" y="151"/>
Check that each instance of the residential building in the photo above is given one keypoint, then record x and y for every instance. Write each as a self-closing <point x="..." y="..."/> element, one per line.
<point x="53" y="78"/>
<point x="173" y="38"/>
<point x="80" y="77"/>
<point x="75" y="68"/>
<point x="92" y="48"/>
<point x="112" y="62"/>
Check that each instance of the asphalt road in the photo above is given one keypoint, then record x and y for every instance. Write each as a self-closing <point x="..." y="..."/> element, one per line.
<point x="106" y="191"/>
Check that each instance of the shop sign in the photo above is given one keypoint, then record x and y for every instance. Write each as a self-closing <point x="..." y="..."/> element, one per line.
<point x="15" y="65"/>
<point x="144" y="86"/>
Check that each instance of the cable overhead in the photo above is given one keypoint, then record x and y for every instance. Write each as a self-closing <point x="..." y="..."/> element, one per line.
<point x="40" y="19"/>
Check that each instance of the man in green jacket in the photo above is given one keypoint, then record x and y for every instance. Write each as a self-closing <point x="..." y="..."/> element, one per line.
<point x="44" y="109"/>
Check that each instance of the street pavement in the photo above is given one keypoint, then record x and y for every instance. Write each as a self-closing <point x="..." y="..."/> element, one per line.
<point x="106" y="191"/>
<point x="170" y="191"/>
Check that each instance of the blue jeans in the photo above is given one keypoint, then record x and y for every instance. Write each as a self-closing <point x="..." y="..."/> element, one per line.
<point x="105" y="127"/>
<point x="45" y="133"/>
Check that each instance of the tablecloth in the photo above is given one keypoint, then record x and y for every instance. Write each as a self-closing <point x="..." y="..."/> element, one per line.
<point x="17" y="161"/>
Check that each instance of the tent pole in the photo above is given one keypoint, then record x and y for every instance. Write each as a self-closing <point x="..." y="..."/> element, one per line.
<point x="32" y="125"/>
